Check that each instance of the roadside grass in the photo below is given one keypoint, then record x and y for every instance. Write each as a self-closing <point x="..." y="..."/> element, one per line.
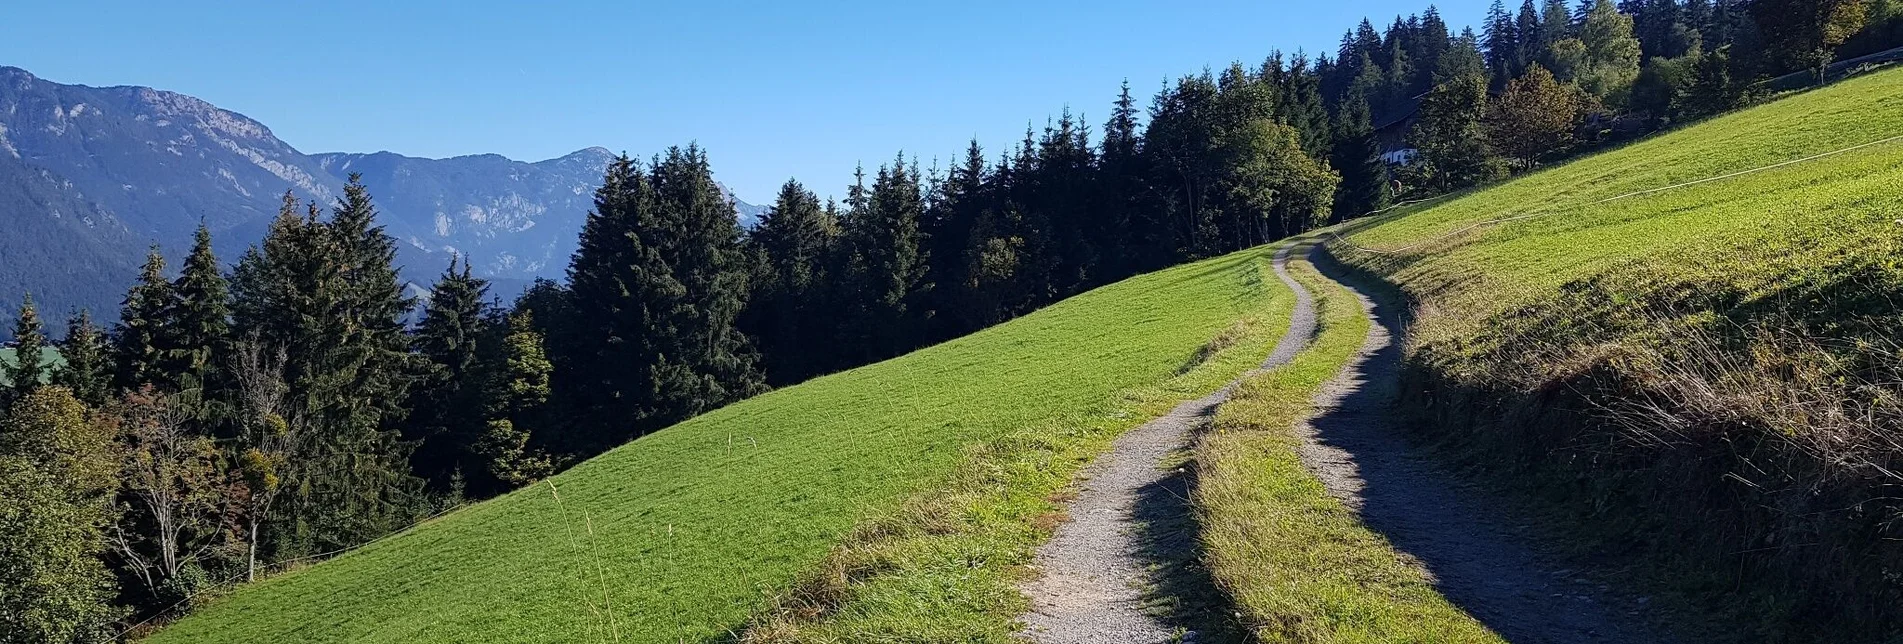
<point x="946" y="564"/>
<point x="686" y="534"/>
<point x="1299" y="565"/>
<point x="1704" y="380"/>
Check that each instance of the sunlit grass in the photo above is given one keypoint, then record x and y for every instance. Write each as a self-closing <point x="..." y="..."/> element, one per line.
<point x="685" y="534"/>
<point x="1299" y="565"/>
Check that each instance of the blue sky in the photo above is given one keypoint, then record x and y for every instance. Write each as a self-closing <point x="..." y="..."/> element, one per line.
<point x="773" y="90"/>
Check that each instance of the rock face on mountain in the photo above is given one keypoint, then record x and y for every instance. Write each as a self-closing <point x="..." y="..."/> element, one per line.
<point x="512" y="219"/>
<point x="90" y="176"/>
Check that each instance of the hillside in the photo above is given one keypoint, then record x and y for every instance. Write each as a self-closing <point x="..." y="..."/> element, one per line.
<point x="685" y="534"/>
<point x="1703" y="378"/>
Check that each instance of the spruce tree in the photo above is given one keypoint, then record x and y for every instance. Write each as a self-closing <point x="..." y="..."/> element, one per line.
<point x="142" y="341"/>
<point x="517" y="402"/>
<point x="888" y="267"/>
<point x="327" y="294"/>
<point x="783" y="313"/>
<point x="1302" y="107"/>
<point x="200" y="320"/>
<point x="1435" y="40"/>
<point x="29" y="370"/>
<point x="1532" y="37"/>
<point x="1503" y="44"/>
<point x="360" y="378"/>
<point x="659" y="281"/>
<point x="1364" y="175"/>
<point x="88" y="370"/>
<point x="447" y="409"/>
<point x="707" y="361"/>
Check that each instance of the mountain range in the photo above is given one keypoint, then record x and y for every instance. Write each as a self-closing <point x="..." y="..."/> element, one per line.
<point x="92" y="176"/>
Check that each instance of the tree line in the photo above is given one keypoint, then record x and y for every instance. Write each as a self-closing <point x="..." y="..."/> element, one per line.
<point x="301" y="401"/>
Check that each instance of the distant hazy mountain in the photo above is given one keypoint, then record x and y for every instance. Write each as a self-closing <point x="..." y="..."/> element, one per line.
<point x="90" y="176"/>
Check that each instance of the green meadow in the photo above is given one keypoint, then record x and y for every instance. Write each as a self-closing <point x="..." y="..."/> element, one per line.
<point x="688" y="533"/>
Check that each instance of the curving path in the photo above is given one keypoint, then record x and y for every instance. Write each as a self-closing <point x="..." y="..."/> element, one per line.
<point x="1466" y="539"/>
<point x="1095" y="568"/>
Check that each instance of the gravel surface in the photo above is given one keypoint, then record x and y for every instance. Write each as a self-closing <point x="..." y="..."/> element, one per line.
<point x="1096" y="568"/>
<point x="1482" y="559"/>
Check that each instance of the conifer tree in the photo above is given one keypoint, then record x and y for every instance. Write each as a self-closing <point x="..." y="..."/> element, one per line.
<point x="887" y="265"/>
<point x="29" y="370"/>
<point x="1435" y="39"/>
<point x="142" y="341"/>
<point x="447" y="409"/>
<point x="517" y="405"/>
<point x="1503" y="44"/>
<point x="326" y="293"/>
<point x="200" y="318"/>
<point x="1364" y="175"/>
<point x="1303" y="109"/>
<point x="88" y="370"/>
<point x="658" y="283"/>
<point x="790" y="243"/>
<point x="1531" y="38"/>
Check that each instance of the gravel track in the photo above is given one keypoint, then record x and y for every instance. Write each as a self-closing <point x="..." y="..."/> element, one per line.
<point x="1096" y="568"/>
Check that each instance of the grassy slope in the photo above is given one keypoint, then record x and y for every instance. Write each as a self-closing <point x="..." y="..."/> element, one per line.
<point x="1771" y="288"/>
<point x="685" y="533"/>
<point x="1299" y="565"/>
<point x="1498" y="269"/>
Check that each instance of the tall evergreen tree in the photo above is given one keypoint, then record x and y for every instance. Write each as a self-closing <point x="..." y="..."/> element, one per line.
<point x="1435" y="39"/>
<point x="791" y="243"/>
<point x="327" y="294"/>
<point x="1302" y="108"/>
<point x="1503" y="44"/>
<point x="1450" y="134"/>
<point x="88" y="356"/>
<point x="1531" y="38"/>
<point x="200" y="318"/>
<point x="517" y="404"/>
<point x="887" y="267"/>
<point x="142" y="341"/>
<point x="1364" y="175"/>
<point x="447" y="415"/>
<point x="29" y="370"/>
<point x="658" y="283"/>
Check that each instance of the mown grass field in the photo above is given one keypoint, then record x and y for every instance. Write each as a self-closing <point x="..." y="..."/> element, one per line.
<point x="1299" y="565"/>
<point x="1704" y="377"/>
<point x="686" y="534"/>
